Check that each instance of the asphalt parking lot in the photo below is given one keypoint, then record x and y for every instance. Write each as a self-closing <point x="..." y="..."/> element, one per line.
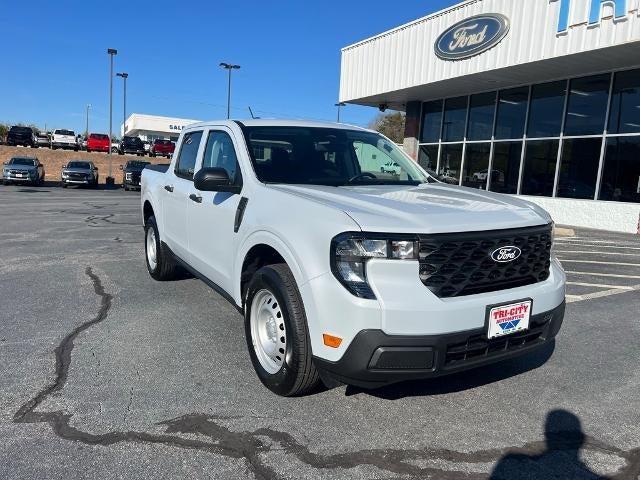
<point x="108" y="374"/>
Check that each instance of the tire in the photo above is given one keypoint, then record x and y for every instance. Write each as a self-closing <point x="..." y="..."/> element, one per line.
<point x="63" y="185"/>
<point x="126" y="187"/>
<point x="88" y="150"/>
<point x="165" y="266"/>
<point x="53" y="147"/>
<point x="292" y="373"/>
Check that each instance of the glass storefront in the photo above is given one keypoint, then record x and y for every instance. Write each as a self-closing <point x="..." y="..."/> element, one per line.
<point x="574" y="138"/>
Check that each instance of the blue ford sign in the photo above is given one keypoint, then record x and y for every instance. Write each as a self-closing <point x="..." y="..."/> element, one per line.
<point x="472" y="36"/>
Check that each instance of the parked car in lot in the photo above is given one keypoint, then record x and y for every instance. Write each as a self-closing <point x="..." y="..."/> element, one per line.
<point x="23" y="170"/>
<point x="21" y="136"/>
<point x="343" y="275"/>
<point x="98" y="142"/>
<point x="132" y="145"/>
<point x="43" y="140"/>
<point x="66" y="139"/>
<point x="131" y="173"/>
<point x="162" y="148"/>
<point x="79" y="172"/>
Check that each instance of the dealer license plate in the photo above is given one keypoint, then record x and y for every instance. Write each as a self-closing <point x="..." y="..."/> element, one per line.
<point x="508" y="319"/>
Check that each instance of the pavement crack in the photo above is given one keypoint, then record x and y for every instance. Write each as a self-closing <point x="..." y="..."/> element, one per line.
<point x="252" y="446"/>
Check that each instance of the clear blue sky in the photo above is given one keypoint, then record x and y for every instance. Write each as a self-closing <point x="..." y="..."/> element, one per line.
<point x="54" y="59"/>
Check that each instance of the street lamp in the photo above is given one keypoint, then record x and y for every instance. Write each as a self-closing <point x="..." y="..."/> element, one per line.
<point x="229" y="67"/>
<point x="339" y="105"/>
<point x="112" y="52"/>
<point x="86" y="130"/>
<point x="124" y="77"/>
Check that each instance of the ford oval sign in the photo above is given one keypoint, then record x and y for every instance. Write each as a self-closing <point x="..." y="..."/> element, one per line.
<point x="472" y="36"/>
<point x="506" y="254"/>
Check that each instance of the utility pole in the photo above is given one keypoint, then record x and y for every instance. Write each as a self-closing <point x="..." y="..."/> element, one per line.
<point x="340" y="105"/>
<point x="229" y="67"/>
<point x="124" y="77"/>
<point x="112" y="52"/>
<point x="86" y="130"/>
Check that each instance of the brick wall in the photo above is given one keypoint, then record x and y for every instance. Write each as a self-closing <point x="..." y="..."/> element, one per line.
<point x="54" y="159"/>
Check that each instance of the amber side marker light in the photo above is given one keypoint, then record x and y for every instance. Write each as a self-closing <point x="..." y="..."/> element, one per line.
<point x="331" y="341"/>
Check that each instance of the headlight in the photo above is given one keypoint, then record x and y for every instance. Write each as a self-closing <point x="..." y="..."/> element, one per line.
<point x="65" y="174"/>
<point x="351" y="251"/>
<point x="128" y="176"/>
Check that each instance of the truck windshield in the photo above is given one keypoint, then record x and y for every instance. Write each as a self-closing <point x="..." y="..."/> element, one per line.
<point x="328" y="156"/>
<point x="85" y="165"/>
<point x="22" y="161"/>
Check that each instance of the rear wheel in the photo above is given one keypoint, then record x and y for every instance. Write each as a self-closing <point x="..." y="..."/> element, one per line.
<point x="160" y="263"/>
<point x="277" y="334"/>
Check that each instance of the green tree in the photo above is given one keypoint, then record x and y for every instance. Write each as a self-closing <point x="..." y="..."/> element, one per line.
<point x="390" y="124"/>
<point x="3" y="131"/>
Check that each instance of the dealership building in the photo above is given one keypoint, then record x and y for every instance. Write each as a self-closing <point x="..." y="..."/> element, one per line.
<point x="151" y="127"/>
<point x="538" y="98"/>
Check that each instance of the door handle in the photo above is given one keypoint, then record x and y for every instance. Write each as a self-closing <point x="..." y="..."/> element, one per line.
<point x="168" y="188"/>
<point x="195" y="198"/>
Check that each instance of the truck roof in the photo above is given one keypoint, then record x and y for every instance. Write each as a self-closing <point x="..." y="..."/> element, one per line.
<point x="270" y="122"/>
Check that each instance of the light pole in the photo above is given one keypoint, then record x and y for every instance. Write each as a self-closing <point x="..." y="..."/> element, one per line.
<point x="86" y="130"/>
<point x="124" y="77"/>
<point x="112" y="52"/>
<point x="340" y="105"/>
<point x="229" y="67"/>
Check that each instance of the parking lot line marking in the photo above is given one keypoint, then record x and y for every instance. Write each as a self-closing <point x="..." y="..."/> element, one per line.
<point x="599" y="253"/>
<point x="606" y="293"/>
<point x="573" y="298"/>
<point x="599" y="285"/>
<point x="597" y="274"/>
<point x="597" y="262"/>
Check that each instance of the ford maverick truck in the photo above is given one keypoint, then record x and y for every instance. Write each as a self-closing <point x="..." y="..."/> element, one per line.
<point x="348" y="271"/>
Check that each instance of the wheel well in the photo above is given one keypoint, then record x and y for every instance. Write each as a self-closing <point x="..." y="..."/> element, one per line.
<point x="259" y="256"/>
<point x="147" y="211"/>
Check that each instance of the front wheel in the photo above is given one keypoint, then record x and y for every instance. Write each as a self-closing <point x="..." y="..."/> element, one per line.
<point x="160" y="263"/>
<point x="277" y="334"/>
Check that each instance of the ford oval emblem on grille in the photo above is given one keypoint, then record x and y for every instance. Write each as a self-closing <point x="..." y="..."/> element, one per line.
<point x="506" y="254"/>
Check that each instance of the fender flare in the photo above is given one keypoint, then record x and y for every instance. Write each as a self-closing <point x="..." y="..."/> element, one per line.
<point x="264" y="237"/>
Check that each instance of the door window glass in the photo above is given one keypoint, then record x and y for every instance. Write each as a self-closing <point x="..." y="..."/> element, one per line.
<point x="220" y="153"/>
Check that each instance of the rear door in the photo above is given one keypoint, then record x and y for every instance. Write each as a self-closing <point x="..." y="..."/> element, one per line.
<point x="211" y="215"/>
<point x="176" y="190"/>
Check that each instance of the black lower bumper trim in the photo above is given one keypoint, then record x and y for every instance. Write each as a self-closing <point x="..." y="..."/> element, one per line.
<point x="374" y="359"/>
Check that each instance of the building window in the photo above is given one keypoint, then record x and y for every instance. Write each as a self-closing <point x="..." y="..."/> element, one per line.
<point x="431" y="121"/>
<point x="621" y="172"/>
<point x="579" y="168"/>
<point x="587" y="105"/>
<point x="545" y="112"/>
<point x="539" y="171"/>
<point x="428" y="157"/>
<point x="512" y="112"/>
<point x="625" y="103"/>
<point x="482" y="109"/>
<point x="506" y="167"/>
<point x="476" y="165"/>
<point x="455" y="118"/>
<point x="450" y="161"/>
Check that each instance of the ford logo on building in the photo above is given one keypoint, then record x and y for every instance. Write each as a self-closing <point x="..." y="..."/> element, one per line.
<point x="472" y="36"/>
<point x="506" y="254"/>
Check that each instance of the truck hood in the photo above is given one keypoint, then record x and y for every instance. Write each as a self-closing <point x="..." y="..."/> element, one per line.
<point x="433" y="208"/>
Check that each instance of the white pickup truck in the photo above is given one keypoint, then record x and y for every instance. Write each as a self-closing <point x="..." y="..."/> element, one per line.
<point x="347" y="273"/>
<point x="62" y="138"/>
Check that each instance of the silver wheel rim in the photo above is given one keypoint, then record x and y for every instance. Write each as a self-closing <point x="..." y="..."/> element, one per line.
<point x="268" y="332"/>
<point x="152" y="257"/>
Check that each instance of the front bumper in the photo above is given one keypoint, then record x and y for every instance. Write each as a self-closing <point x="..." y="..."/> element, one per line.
<point x="374" y="359"/>
<point x="8" y="177"/>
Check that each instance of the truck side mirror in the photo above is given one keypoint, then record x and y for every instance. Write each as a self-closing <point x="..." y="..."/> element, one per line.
<point x="214" y="180"/>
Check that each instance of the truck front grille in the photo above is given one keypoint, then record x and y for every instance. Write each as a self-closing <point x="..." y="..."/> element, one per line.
<point x="459" y="264"/>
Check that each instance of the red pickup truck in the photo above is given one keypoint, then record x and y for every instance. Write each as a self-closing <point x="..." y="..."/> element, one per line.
<point x="98" y="142"/>
<point x="163" y="148"/>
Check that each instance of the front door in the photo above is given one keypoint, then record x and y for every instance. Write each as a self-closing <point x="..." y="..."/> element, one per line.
<point x="211" y="216"/>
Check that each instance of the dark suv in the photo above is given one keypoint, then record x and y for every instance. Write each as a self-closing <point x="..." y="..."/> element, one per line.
<point x="21" y="136"/>
<point x="131" y="145"/>
<point x="131" y="174"/>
